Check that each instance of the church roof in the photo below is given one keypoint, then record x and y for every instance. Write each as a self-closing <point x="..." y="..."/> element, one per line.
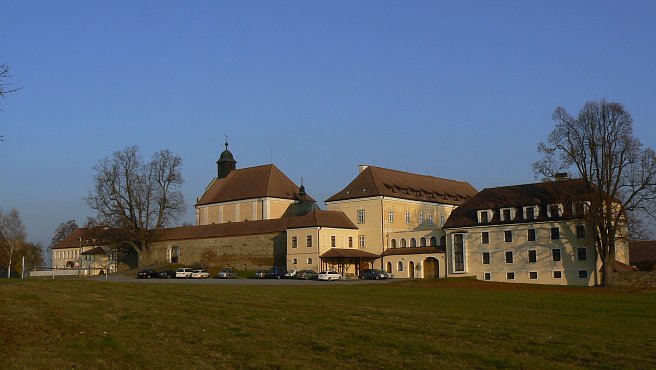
<point x="248" y="183"/>
<point x="377" y="181"/>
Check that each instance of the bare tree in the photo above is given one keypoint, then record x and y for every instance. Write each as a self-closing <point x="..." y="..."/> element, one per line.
<point x="12" y="237"/>
<point x="136" y="198"/>
<point x="600" y="148"/>
<point x="62" y="231"/>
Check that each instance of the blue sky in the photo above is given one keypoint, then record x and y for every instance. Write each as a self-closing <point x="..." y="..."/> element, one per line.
<point x="461" y="90"/>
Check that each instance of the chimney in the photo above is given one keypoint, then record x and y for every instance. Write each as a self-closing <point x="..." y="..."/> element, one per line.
<point x="362" y="167"/>
<point x="561" y="176"/>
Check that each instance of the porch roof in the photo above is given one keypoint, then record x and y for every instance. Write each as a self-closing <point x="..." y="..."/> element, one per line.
<point x="348" y="253"/>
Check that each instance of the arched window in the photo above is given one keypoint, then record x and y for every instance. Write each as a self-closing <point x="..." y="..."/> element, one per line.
<point x="294" y="261"/>
<point x="422" y="242"/>
<point x="399" y="266"/>
<point x="433" y="241"/>
<point x="389" y="267"/>
<point x="413" y="242"/>
<point x="403" y="243"/>
<point x="393" y="243"/>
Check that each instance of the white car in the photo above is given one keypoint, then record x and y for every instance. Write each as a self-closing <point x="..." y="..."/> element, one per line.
<point x="183" y="272"/>
<point x="330" y="275"/>
<point x="200" y="274"/>
<point x="290" y="274"/>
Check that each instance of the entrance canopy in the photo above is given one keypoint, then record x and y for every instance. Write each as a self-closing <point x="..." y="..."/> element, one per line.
<point x="343" y="258"/>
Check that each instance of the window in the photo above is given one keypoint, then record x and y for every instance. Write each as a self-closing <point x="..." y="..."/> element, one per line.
<point x="294" y="242"/>
<point x="351" y="242"/>
<point x="430" y="219"/>
<point x="487" y="276"/>
<point x="509" y="257"/>
<point x="422" y="242"/>
<point x="361" y="216"/>
<point x="532" y="256"/>
<point x="421" y="218"/>
<point x="485" y="237"/>
<point x="557" y="274"/>
<point x="582" y="254"/>
<point x="583" y="274"/>
<point x="510" y="276"/>
<point x="580" y="231"/>
<point x="361" y="241"/>
<point x="309" y="241"/>
<point x="393" y="243"/>
<point x="442" y="220"/>
<point x="399" y="266"/>
<point x="294" y="261"/>
<point x="390" y="218"/>
<point x="407" y="217"/>
<point x="486" y="258"/>
<point x="413" y="242"/>
<point x="532" y="275"/>
<point x="555" y="233"/>
<point x="555" y="254"/>
<point x="554" y="210"/>
<point x="433" y="241"/>
<point x="531" y="235"/>
<point x="483" y="216"/>
<point x="507" y="236"/>
<point x="458" y="253"/>
<point x="333" y="241"/>
<point x="529" y="213"/>
<point x="309" y="261"/>
<point x="403" y="243"/>
<point x="506" y="214"/>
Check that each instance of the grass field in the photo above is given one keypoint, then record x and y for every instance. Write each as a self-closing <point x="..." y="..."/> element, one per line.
<point x="65" y="324"/>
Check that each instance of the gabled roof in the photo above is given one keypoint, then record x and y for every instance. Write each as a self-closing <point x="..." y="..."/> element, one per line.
<point x="347" y="253"/>
<point x="377" y="181"/>
<point x="316" y="218"/>
<point x="249" y="183"/>
<point x="518" y="196"/>
<point x="73" y="239"/>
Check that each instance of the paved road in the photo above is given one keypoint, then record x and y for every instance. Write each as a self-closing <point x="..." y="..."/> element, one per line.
<point x="129" y="279"/>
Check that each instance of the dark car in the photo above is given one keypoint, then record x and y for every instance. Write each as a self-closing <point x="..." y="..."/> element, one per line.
<point x="276" y="273"/>
<point x="147" y="274"/>
<point x="307" y="274"/>
<point x="373" y="274"/>
<point x="166" y="274"/>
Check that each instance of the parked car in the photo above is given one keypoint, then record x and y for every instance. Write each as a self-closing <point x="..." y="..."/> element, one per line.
<point x="276" y="273"/>
<point x="200" y="274"/>
<point x="147" y="274"/>
<point x="166" y="274"/>
<point x="290" y="274"/>
<point x="306" y="274"/>
<point x="373" y="274"/>
<point x="262" y="273"/>
<point x="329" y="275"/>
<point x="227" y="274"/>
<point x="183" y="272"/>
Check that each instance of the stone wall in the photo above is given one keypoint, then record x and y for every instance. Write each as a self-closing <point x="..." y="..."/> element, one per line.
<point x="636" y="279"/>
<point x="245" y="252"/>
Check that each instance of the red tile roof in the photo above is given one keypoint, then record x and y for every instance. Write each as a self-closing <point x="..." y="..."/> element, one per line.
<point x="377" y="181"/>
<point x="347" y="253"/>
<point x="73" y="239"/>
<point x="323" y="218"/>
<point x="414" y="250"/>
<point x="249" y="183"/>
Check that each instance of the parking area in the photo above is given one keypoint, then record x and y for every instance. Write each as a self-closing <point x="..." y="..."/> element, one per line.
<point x="241" y="281"/>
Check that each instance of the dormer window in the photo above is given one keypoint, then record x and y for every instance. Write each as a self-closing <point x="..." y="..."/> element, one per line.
<point x="507" y="214"/>
<point x="555" y="210"/>
<point x="484" y="216"/>
<point x="530" y="212"/>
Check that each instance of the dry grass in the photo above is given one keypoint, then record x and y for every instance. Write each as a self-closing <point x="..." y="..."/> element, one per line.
<point x="421" y="324"/>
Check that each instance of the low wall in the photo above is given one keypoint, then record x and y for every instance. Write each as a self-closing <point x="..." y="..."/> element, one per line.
<point x="636" y="279"/>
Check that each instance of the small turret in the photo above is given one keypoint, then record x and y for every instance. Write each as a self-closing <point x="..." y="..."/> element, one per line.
<point x="226" y="162"/>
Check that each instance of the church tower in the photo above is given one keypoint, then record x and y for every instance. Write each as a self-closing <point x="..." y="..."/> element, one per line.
<point x="226" y="162"/>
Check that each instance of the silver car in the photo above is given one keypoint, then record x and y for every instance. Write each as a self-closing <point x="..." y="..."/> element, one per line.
<point x="330" y="275"/>
<point x="227" y="274"/>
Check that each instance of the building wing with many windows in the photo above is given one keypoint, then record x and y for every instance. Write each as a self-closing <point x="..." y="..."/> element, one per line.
<point x="532" y="233"/>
